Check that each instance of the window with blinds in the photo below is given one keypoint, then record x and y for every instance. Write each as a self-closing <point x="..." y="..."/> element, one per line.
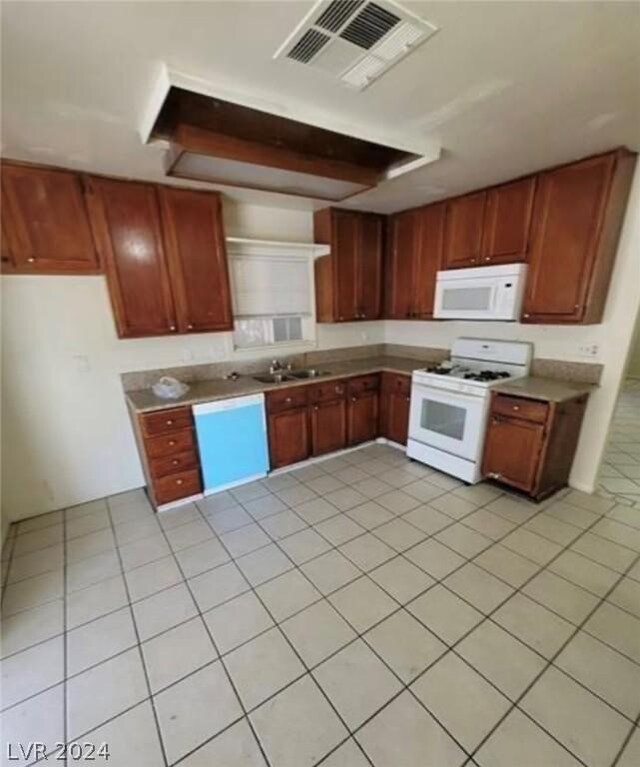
<point x="272" y="300"/>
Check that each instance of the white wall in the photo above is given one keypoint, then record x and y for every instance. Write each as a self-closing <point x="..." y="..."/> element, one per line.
<point x="613" y="338"/>
<point x="66" y="436"/>
<point x="633" y="366"/>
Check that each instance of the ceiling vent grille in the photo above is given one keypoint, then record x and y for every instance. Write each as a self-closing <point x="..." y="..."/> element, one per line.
<point x="308" y="45"/>
<point x="335" y="15"/>
<point x="356" y="41"/>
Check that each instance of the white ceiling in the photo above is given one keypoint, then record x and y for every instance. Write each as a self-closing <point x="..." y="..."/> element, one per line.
<point x="505" y="87"/>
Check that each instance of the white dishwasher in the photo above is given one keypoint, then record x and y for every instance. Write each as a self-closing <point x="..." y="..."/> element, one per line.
<point x="232" y="440"/>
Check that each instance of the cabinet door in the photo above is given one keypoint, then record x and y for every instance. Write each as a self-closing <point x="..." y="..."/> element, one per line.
<point x="126" y="219"/>
<point x="507" y="222"/>
<point x="394" y="416"/>
<point x="401" y="266"/>
<point x="345" y="237"/>
<point x="7" y="263"/>
<point x="512" y="452"/>
<point x="197" y="259"/>
<point x="328" y="427"/>
<point x="463" y="230"/>
<point x="288" y="437"/>
<point x="362" y="417"/>
<point x="50" y="231"/>
<point x="428" y="261"/>
<point x="370" y="244"/>
<point x="567" y="219"/>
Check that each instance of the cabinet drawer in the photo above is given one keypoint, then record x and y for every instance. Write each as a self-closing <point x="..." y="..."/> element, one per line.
<point x="170" y="444"/>
<point x="394" y="382"/>
<point x="363" y="384"/>
<point x="519" y="407"/>
<point x="328" y="391"/>
<point x="286" y="399"/>
<point x="177" y="486"/>
<point x="164" y="421"/>
<point x="171" y="464"/>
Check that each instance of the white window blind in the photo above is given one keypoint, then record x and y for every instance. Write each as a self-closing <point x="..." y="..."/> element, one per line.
<point x="267" y="286"/>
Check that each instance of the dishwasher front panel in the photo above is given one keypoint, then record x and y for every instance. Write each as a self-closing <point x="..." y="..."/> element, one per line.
<point x="232" y="441"/>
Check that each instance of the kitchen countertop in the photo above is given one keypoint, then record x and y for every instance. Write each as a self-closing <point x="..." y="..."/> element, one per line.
<point x="144" y="400"/>
<point x="545" y="389"/>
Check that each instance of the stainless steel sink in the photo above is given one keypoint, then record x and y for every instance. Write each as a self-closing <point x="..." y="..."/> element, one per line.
<point x="310" y="373"/>
<point x="274" y="378"/>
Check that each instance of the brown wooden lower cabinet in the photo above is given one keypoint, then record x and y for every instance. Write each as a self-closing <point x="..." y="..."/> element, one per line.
<point x="328" y="427"/>
<point x="362" y="409"/>
<point x="288" y="437"/>
<point x="395" y="398"/>
<point x="530" y="444"/>
<point x="169" y="455"/>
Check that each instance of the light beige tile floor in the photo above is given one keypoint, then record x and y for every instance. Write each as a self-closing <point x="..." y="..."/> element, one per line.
<point x="365" y="610"/>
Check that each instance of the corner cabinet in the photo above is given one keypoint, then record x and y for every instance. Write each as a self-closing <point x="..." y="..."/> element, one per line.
<point x="45" y="224"/>
<point x="577" y="219"/>
<point x="349" y="280"/>
<point x="414" y="256"/>
<point x="164" y="257"/>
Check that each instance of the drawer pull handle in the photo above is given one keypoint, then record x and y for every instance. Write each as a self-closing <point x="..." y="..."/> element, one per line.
<point x="516" y="407"/>
<point x="172" y="442"/>
<point x="175" y="462"/>
<point x="172" y="327"/>
<point x="179" y="481"/>
<point x="31" y="260"/>
<point x="169" y="422"/>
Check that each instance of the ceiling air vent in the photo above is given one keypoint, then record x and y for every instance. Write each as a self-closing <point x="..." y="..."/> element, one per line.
<point x="356" y="41"/>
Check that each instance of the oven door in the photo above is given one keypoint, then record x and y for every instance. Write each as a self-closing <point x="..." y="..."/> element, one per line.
<point x="447" y="420"/>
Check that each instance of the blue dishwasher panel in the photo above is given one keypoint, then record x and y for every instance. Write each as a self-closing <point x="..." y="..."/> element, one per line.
<point x="232" y="439"/>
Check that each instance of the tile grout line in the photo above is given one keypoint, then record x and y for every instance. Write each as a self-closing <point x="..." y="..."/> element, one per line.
<point x="139" y="646"/>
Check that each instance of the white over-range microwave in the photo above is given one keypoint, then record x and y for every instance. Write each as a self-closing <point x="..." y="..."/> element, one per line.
<point x="483" y="293"/>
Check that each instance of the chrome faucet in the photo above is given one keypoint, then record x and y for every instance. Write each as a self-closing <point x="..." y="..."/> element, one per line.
<point x="277" y="367"/>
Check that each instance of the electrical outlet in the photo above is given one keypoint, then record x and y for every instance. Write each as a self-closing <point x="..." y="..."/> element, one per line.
<point x="588" y="350"/>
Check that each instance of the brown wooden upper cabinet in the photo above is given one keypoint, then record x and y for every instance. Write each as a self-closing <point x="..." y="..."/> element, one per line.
<point x="491" y="226"/>
<point x="45" y="225"/>
<point x="507" y="222"/>
<point x="414" y="255"/>
<point x="164" y="257"/>
<point x="576" y="224"/>
<point x="194" y="238"/>
<point x="463" y="230"/>
<point x="126" y="220"/>
<point x="349" y="279"/>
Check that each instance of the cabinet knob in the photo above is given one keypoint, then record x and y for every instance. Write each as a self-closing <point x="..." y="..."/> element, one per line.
<point x="516" y="407"/>
<point x="287" y="399"/>
<point x="487" y="258"/>
<point x="175" y="462"/>
<point x="526" y="315"/>
<point x="179" y="481"/>
<point x="316" y="407"/>
<point x="31" y="260"/>
<point x="189" y="327"/>
<point x="169" y="422"/>
<point x="494" y="475"/>
<point x="172" y="442"/>
<point x="172" y="327"/>
<point x="354" y="399"/>
<point x="408" y="399"/>
<point x="340" y="318"/>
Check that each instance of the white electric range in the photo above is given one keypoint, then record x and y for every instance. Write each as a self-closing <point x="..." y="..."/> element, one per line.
<point x="450" y="403"/>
